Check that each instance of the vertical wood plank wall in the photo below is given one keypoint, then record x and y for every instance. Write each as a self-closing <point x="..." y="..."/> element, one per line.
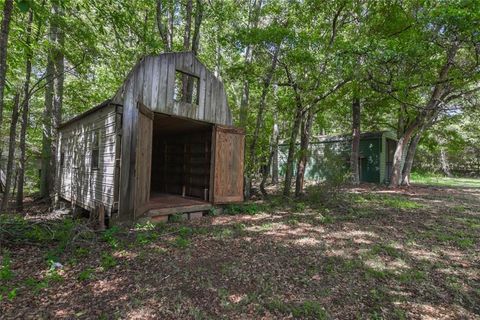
<point x="228" y="172"/>
<point x="143" y="159"/>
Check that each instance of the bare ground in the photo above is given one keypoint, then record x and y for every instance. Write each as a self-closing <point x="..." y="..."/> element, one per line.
<point x="357" y="253"/>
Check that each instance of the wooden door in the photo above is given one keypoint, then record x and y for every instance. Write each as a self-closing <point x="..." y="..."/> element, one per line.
<point x="228" y="146"/>
<point x="143" y="156"/>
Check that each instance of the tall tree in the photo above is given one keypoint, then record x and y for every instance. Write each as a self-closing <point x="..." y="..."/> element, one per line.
<point x="355" y="154"/>
<point x="25" y="113"/>
<point x="7" y="14"/>
<point x="11" y="152"/>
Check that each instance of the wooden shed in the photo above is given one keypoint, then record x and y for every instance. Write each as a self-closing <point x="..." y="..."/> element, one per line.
<point x="163" y="144"/>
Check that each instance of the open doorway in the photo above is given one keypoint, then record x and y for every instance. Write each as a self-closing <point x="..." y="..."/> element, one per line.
<point x="181" y="162"/>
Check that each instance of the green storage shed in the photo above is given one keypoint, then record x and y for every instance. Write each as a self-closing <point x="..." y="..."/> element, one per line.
<point x="330" y="157"/>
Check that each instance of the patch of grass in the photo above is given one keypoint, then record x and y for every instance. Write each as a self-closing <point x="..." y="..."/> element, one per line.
<point x="108" y="261"/>
<point x="246" y="208"/>
<point x="81" y="252"/>
<point x="266" y="226"/>
<point x="146" y="237"/>
<point x="385" y="249"/>
<point x="410" y="276"/>
<point x="299" y="206"/>
<point x="86" y="274"/>
<point x="453" y="236"/>
<point x="438" y="180"/>
<point x="326" y="218"/>
<point x="223" y="233"/>
<point x="293" y="221"/>
<point x="401" y="203"/>
<point x="111" y="237"/>
<point x="306" y="310"/>
<point x="6" y="272"/>
<point x="376" y="274"/>
<point x="181" y="242"/>
<point x="35" y="285"/>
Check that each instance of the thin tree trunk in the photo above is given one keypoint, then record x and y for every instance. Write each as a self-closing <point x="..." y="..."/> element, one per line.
<point x="187" y="83"/>
<point x="355" y="155"/>
<point x="252" y="23"/>
<point x="407" y="167"/>
<point x="261" y="108"/>
<point x="304" y="144"/>
<point x="444" y="162"/>
<point x="275" y="139"/>
<point x="11" y="152"/>
<point x="25" y="111"/>
<point x="401" y="120"/>
<point x="291" y="151"/>
<point x="58" y="88"/>
<point x="188" y="25"/>
<point x="7" y="14"/>
<point x="162" y="27"/>
<point x="265" y="171"/>
<point x="47" y="131"/>
<point x="48" y="115"/>
<point x="198" y="23"/>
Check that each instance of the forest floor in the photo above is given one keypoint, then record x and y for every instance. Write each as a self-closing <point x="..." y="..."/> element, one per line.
<point x="364" y="252"/>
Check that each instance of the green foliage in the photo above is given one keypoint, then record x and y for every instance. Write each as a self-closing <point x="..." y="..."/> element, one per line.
<point x="111" y="236"/>
<point x="86" y="274"/>
<point x="108" y="261"/>
<point x="6" y="272"/>
<point x="305" y="310"/>
<point x="385" y="249"/>
<point x="246" y="208"/>
<point x="181" y="242"/>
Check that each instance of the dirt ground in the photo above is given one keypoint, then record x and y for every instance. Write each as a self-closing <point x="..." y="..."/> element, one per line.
<point x="368" y="253"/>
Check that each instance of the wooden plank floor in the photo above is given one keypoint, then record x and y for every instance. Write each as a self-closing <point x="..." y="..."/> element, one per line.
<point x="165" y="203"/>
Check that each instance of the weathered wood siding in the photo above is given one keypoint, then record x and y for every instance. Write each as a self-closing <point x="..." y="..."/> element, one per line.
<point x="228" y="165"/>
<point x="154" y="79"/>
<point x="80" y="183"/>
<point x="152" y="83"/>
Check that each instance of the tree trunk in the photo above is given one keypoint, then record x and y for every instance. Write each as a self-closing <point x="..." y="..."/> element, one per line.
<point x="398" y="156"/>
<point x="291" y="151"/>
<point x="7" y="14"/>
<point x="11" y="152"/>
<point x="444" y="162"/>
<point x="25" y="111"/>
<point x="412" y="149"/>
<point x="198" y="23"/>
<point x="265" y="171"/>
<point x="47" y="131"/>
<point x="188" y="25"/>
<point x="355" y="155"/>
<point x="275" y="141"/>
<point x="261" y="109"/>
<point x="162" y="27"/>
<point x="401" y="120"/>
<point x="252" y="23"/>
<point x="304" y="143"/>
<point x="58" y="88"/>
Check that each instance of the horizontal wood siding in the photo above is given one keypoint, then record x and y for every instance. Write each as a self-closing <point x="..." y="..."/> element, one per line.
<point x="78" y="182"/>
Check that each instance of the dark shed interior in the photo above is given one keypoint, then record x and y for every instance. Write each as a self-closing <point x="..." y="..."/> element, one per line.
<point x="181" y="159"/>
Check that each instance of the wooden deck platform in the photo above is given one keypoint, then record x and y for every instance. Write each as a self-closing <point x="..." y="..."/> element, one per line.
<point x="164" y="204"/>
